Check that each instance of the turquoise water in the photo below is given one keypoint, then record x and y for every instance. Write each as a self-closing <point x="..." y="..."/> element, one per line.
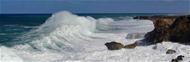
<point x="67" y="37"/>
<point x="14" y="25"/>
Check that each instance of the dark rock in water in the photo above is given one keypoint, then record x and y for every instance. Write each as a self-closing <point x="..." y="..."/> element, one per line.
<point x="161" y="31"/>
<point x="131" y="46"/>
<point x="169" y="28"/>
<point x="170" y="51"/>
<point x="178" y="59"/>
<point x="181" y="30"/>
<point x="154" y="47"/>
<point x="155" y="17"/>
<point x="114" y="45"/>
<point x="142" y="17"/>
<point x="174" y="60"/>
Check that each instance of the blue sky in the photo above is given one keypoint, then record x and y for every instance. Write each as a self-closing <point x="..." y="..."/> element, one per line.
<point x="94" y="6"/>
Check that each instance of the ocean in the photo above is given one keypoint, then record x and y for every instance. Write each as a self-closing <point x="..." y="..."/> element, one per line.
<point x="69" y="37"/>
<point x="13" y="25"/>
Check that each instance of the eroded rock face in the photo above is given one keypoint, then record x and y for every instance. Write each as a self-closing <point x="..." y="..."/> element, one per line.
<point x="161" y="32"/>
<point x="114" y="45"/>
<point x="181" y="30"/>
<point x="169" y="28"/>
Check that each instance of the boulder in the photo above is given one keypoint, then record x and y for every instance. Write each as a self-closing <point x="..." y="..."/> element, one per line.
<point x="114" y="45"/>
<point x="178" y="59"/>
<point x="174" y="60"/>
<point x="170" y="51"/>
<point x="130" y="46"/>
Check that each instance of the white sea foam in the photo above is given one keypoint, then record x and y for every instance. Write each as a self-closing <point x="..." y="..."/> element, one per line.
<point x="66" y="37"/>
<point x="7" y="55"/>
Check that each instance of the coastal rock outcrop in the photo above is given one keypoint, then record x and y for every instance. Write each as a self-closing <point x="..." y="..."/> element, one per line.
<point x="131" y="46"/>
<point x="178" y="59"/>
<point x="168" y="28"/>
<point x="114" y="45"/>
<point x="181" y="30"/>
<point x="170" y="51"/>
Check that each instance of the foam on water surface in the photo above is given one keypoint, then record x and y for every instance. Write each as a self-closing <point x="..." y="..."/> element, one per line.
<point x="66" y="37"/>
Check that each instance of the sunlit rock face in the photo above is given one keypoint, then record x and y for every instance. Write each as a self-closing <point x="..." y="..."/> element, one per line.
<point x="168" y="28"/>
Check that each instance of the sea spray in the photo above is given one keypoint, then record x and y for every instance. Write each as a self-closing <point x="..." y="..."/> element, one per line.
<point x="68" y="37"/>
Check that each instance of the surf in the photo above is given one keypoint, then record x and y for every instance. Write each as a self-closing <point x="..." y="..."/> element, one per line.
<point x="69" y="37"/>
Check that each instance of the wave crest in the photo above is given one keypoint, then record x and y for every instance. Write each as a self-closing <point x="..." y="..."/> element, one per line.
<point x="65" y="36"/>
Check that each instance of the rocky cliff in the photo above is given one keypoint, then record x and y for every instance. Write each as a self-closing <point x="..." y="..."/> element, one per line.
<point x="168" y="28"/>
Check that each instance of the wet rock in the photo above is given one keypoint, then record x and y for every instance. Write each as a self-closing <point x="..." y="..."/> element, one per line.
<point x="170" y="51"/>
<point x="114" y="45"/>
<point x="161" y="31"/>
<point x="174" y="60"/>
<point x="181" y="30"/>
<point x="142" y="17"/>
<point x="153" y="18"/>
<point x="178" y="59"/>
<point x="131" y="46"/>
<point x="154" y="47"/>
<point x="169" y="28"/>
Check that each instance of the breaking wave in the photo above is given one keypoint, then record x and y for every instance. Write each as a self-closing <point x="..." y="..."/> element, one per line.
<point x="68" y="37"/>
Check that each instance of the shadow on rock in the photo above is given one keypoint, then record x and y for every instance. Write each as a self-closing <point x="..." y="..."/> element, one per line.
<point x="169" y="28"/>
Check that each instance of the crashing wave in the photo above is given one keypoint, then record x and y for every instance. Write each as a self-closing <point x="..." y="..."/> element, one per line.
<point x="64" y="30"/>
<point x="68" y="37"/>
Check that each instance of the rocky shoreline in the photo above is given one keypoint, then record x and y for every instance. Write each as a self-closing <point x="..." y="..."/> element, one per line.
<point x="167" y="28"/>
